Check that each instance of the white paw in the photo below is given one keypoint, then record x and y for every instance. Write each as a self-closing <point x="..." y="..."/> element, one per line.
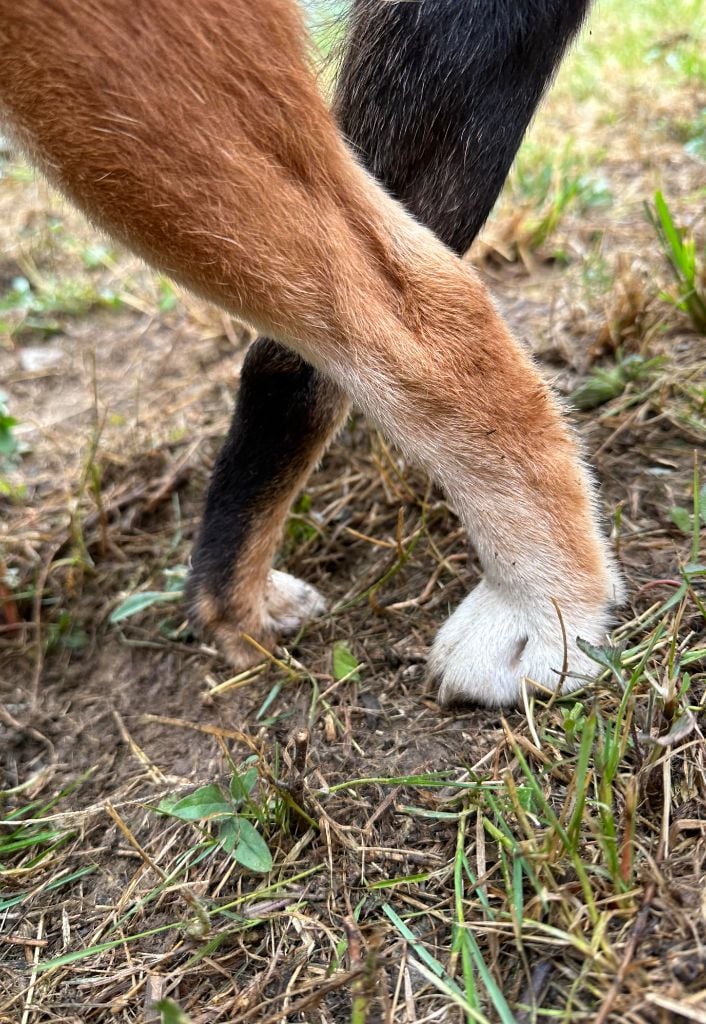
<point x="290" y="602"/>
<point x="493" y="640"/>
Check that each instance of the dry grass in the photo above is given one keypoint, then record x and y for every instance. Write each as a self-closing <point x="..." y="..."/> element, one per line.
<point x="547" y="864"/>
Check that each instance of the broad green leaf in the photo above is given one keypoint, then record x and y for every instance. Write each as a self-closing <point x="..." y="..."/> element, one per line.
<point x="345" y="663"/>
<point x="608" y="657"/>
<point x="207" y="802"/>
<point x="229" y="833"/>
<point x="170" y="1012"/>
<point x="252" y="850"/>
<point x="241" y="786"/>
<point x="138" y="602"/>
<point x="681" y="518"/>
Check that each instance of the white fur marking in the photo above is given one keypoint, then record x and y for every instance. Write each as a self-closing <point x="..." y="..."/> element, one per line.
<point x="289" y="602"/>
<point x="494" y="639"/>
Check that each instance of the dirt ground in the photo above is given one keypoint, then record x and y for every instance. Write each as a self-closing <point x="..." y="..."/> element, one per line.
<point x="461" y="866"/>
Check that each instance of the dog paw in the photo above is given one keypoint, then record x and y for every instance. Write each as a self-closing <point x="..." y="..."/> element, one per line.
<point x="494" y="640"/>
<point x="279" y="609"/>
<point x="290" y="602"/>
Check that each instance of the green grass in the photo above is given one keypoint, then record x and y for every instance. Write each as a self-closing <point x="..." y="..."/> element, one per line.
<point x="43" y="306"/>
<point x="32" y="839"/>
<point x="688" y="266"/>
<point x="604" y="384"/>
<point x="551" y="186"/>
<point x="636" y="46"/>
<point x="12" y="448"/>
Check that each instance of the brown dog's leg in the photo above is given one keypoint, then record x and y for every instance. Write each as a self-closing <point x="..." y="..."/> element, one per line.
<point x="199" y="138"/>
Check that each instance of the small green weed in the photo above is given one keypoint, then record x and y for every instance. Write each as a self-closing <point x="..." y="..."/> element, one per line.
<point x="345" y="663"/>
<point x="64" y="633"/>
<point x="232" y="812"/>
<point x="301" y="525"/>
<point x="11" y="447"/>
<point x="605" y="384"/>
<point x="689" y="269"/>
<point x="39" y="305"/>
<point x="11" y="451"/>
<point x="553" y="187"/>
<point x="691" y="134"/>
<point x="687" y="520"/>
<point x="170" y="1012"/>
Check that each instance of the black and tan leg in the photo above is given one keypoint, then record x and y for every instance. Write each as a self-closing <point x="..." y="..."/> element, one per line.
<point x="285" y="414"/>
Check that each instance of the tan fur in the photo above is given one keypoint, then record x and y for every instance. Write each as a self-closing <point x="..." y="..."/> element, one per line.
<point x="196" y="134"/>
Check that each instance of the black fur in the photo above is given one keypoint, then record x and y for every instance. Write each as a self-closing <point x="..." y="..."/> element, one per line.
<point x="284" y="412"/>
<point x="434" y="96"/>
